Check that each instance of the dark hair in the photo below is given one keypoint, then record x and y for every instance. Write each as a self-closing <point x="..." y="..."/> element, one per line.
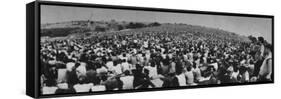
<point x="127" y="72"/>
<point x="251" y="62"/>
<point x="235" y="68"/>
<point x="103" y="78"/>
<point x="179" y="69"/>
<point x="269" y="46"/>
<point x="242" y="69"/>
<point x="152" y="63"/>
<point x="146" y="71"/>
<point x="138" y="66"/>
<point x="77" y="65"/>
<point x="188" y="68"/>
<point x="115" y="63"/>
<point x="109" y="59"/>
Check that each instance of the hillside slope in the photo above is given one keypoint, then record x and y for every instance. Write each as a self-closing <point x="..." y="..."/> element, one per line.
<point x="75" y="30"/>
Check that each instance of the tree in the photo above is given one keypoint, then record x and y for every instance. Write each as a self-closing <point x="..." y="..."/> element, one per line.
<point x="100" y="29"/>
<point x="154" y="24"/>
<point x="120" y="27"/>
<point x="133" y="25"/>
<point x="261" y="39"/>
<point x="252" y="38"/>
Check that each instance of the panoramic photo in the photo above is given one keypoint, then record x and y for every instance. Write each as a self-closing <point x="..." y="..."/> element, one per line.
<point x="86" y="49"/>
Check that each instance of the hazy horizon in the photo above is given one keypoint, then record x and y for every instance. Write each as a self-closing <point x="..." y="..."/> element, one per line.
<point x="240" y="25"/>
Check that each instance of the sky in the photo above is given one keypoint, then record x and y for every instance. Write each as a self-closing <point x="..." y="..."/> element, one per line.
<point x="241" y="25"/>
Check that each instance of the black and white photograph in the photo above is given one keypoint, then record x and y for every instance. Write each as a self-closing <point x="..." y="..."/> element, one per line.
<point x="88" y="49"/>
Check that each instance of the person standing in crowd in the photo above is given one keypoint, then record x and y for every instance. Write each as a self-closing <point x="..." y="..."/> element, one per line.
<point x="265" y="73"/>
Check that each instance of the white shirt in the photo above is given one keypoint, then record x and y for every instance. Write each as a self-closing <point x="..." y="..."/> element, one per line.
<point x="147" y="56"/>
<point x="83" y="87"/>
<point x="101" y="70"/>
<point x="122" y="57"/>
<point x="157" y="82"/>
<point x="264" y="69"/>
<point x="197" y="73"/>
<point x="173" y="67"/>
<point x="49" y="90"/>
<point x="125" y="66"/>
<point x="118" y="69"/>
<point x="69" y="66"/>
<point x="109" y="65"/>
<point x="197" y="62"/>
<point x="145" y="44"/>
<point x="215" y="65"/>
<point x="234" y="75"/>
<point x="181" y="79"/>
<point x="134" y="51"/>
<point x="62" y="75"/>
<point x="252" y="67"/>
<point x="246" y="76"/>
<point x="190" y="77"/>
<point x="185" y="57"/>
<point x="152" y="71"/>
<point x="81" y="70"/>
<point x="127" y="82"/>
<point x="141" y="59"/>
<point x="98" y="88"/>
<point x="262" y="50"/>
<point x="163" y="56"/>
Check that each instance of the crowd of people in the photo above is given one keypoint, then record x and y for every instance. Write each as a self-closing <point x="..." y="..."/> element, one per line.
<point x="150" y="60"/>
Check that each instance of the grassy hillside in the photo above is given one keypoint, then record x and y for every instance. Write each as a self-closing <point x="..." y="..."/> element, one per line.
<point x="75" y="28"/>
